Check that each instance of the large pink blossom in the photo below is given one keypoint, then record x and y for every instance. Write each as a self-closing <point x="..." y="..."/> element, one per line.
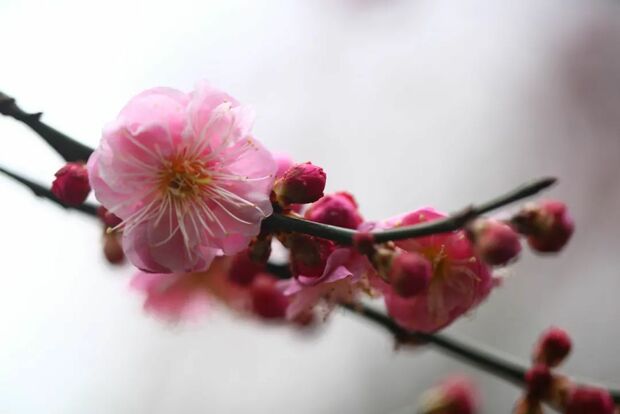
<point x="186" y="177"/>
<point x="459" y="282"/>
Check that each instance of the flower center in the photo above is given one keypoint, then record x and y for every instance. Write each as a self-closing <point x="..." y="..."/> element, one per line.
<point x="183" y="178"/>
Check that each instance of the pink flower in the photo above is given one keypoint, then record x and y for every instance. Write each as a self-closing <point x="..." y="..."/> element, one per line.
<point x="186" y="296"/>
<point x="459" y="281"/>
<point x="346" y="271"/>
<point x="186" y="177"/>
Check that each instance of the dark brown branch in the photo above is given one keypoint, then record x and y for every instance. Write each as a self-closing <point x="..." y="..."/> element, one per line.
<point x="69" y="149"/>
<point x="281" y="222"/>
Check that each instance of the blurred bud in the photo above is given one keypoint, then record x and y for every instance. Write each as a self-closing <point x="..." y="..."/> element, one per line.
<point x="339" y="209"/>
<point x="538" y="380"/>
<point x="112" y="248"/>
<point x="455" y="395"/>
<point x="410" y="274"/>
<point x="268" y="302"/>
<point x="547" y="225"/>
<point x="71" y="185"/>
<point x="364" y="242"/>
<point x="243" y="269"/>
<point x="495" y="242"/>
<point x="300" y="184"/>
<point x="109" y="219"/>
<point x="589" y="400"/>
<point x="528" y="406"/>
<point x="260" y="248"/>
<point x="309" y="254"/>
<point x="553" y="347"/>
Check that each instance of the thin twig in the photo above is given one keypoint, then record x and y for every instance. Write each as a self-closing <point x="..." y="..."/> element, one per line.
<point x="69" y="149"/>
<point x="44" y="192"/>
<point x="281" y="222"/>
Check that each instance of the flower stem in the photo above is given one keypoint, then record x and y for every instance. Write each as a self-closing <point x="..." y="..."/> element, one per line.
<point x="281" y="222"/>
<point x="69" y="149"/>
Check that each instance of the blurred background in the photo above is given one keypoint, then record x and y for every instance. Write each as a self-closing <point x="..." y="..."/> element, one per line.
<point x="403" y="102"/>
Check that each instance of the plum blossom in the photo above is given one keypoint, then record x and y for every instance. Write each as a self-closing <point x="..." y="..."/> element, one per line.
<point x="459" y="281"/>
<point x="187" y="296"/>
<point x="185" y="176"/>
<point x="346" y="273"/>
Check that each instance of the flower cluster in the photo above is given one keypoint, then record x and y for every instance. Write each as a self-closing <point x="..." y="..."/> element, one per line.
<point x="185" y="190"/>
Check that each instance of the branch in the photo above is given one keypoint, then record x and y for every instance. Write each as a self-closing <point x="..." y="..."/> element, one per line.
<point x="280" y="222"/>
<point x="42" y="191"/>
<point x="475" y="355"/>
<point x="68" y="148"/>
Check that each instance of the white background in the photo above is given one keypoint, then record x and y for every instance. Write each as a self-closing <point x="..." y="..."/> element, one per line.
<point x="403" y="102"/>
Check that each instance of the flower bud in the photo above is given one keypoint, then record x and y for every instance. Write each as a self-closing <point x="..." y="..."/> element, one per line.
<point x="243" y="269"/>
<point x="300" y="184"/>
<point x="309" y="254"/>
<point x="339" y="209"/>
<point x="364" y="242"/>
<point x="548" y="226"/>
<point x="456" y="395"/>
<point x="528" y="406"/>
<point x="109" y="219"/>
<point x="268" y="302"/>
<point x="410" y="274"/>
<point x="539" y="381"/>
<point x="589" y="400"/>
<point x="495" y="242"/>
<point x="112" y="248"/>
<point x="553" y="347"/>
<point x="71" y="185"/>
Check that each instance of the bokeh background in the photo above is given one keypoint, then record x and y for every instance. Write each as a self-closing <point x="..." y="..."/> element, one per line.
<point x="403" y="102"/>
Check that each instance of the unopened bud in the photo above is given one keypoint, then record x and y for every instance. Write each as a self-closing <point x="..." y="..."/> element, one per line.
<point x="243" y="269"/>
<point x="539" y="381"/>
<point x="309" y="254"/>
<point x="553" y="347"/>
<point x="300" y="184"/>
<point x="268" y="302"/>
<point x="589" y="400"/>
<point x="71" y="185"/>
<point x="109" y="219"/>
<point x="339" y="209"/>
<point x="456" y="395"/>
<point x="548" y="226"/>
<point x="410" y="274"/>
<point x="528" y="406"/>
<point x="495" y="242"/>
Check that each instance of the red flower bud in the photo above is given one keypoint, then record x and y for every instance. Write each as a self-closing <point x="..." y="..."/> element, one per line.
<point x="539" y="381"/>
<point x="309" y="254"/>
<point x="301" y="184"/>
<point x="243" y="269"/>
<point x="409" y="274"/>
<point x="553" y="347"/>
<point x="71" y="185"/>
<point x="268" y="302"/>
<point x="495" y="242"/>
<point x="456" y="395"/>
<point x="589" y="400"/>
<point x="339" y="209"/>
<point x="548" y="226"/>
<point x="109" y="219"/>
